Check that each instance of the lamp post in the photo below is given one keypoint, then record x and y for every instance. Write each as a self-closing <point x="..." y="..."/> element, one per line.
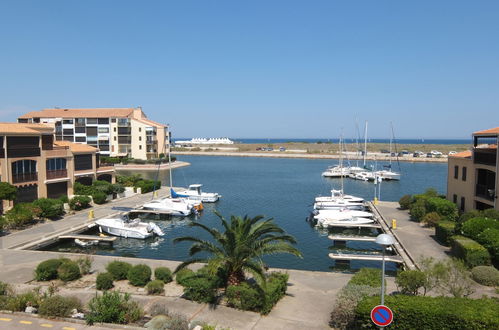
<point x="384" y="240"/>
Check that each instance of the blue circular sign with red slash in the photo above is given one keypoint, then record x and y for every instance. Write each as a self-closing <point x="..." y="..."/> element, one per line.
<point x="381" y="315"/>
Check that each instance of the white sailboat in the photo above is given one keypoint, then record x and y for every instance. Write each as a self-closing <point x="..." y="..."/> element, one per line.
<point x="125" y="227"/>
<point x="388" y="174"/>
<point x="361" y="173"/>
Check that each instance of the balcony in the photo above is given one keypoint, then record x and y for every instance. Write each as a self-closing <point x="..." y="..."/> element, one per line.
<point x="485" y="156"/>
<point x="56" y="174"/>
<point x="57" y="151"/>
<point x="24" y="177"/>
<point x="485" y="192"/>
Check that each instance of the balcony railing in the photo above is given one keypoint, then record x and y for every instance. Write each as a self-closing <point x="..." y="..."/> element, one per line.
<point x="485" y="156"/>
<point x="55" y="174"/>
<point x="24" y="177"/>
<point x="485" y="192"/>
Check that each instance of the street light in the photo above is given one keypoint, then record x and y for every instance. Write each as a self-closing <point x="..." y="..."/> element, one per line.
<point x="384" y="240"/>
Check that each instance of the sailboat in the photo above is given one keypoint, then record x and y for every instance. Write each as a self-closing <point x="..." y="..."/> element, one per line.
<point x="363" y="174"/>
<point x="338" y="171"/>
<point x="387" y="173"/>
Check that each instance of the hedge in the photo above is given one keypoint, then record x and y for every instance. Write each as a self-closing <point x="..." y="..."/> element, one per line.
<point x="443" y="207"/>
<point x="200" y="288"/>
<point x="118" y="269"/>
<point x="79" y="203"/>
<point x="50" y="208"/>
<point x="47" y="270"/>
<point x="444" y="230"/>
<point x="472" y="253"/>
<point x="139" y="275"/>
<point x="432" y="313"/>
<point x="489" y="238"/>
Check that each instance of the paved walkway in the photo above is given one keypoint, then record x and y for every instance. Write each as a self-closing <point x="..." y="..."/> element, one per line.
<point x="19" y="321"/>
<point x="418" y="241"/>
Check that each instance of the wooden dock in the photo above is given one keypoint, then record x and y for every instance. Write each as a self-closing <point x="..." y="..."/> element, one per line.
<point x="105" y="239"/>
<point x="365" y="257"/>
<point x="352" y="238"/>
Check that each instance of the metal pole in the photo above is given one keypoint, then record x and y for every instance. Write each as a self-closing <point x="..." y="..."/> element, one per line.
<point x="383" y="278"/>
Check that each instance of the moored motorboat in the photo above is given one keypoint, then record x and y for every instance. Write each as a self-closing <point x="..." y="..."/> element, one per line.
<point x="338" y="195"/>
<point x="194" y="193"/>
<point x="123" y="226"/>
<point x="174" y="206"/>
<point x="347" y="222"/>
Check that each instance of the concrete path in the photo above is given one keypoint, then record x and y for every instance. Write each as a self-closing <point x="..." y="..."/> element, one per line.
<point x="20" y="321"/>
<point x="418" y="241"/>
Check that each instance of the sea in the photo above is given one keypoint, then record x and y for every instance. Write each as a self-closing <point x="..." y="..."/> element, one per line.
<point x="282" y="189"/>
<point x="346" y="140"/>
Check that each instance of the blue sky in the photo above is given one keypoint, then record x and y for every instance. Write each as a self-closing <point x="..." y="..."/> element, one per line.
<point x="288" y="68"/>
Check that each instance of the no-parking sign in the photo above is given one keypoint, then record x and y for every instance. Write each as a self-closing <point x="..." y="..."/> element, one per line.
<point x="381" y="315"/>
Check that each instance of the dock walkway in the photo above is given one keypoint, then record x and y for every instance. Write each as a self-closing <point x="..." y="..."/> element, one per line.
<point x="367" y="257"/>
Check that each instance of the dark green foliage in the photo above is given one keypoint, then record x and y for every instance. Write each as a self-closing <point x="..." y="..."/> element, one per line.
<point x="102" y="186"/>
<point x="68" y="271"/>
<point x="485" y="275"/>
<point x="81" y="189"/>
<point x="117" y="188"/>
<point x="163" y="274"/>
<point x="489" y="238"/>
<point x="109" y="160"/>
<point x="139" y="275"/>
<point x="128" y="181"/>
<point x="7" y="191"/>
<point x="443" y="207"/>
<point x="79" y="203"/>
<point x="405" y="202"/>
<point x="431" y="192"/>
<point x="64" y="199"/>
<point x="470" y="215"/>
<point x="20" y="215"/>
<point x="47" y="270"/>
<point x="200" y="288"/>
<point x="432" y="313"/>
<point x="418" y="210"/>
<point x="50" y="208"/>
<point x="4" y="289"/>
<point x="99" y="197"/>
<point x="444" y="230"/>
<point x="275" y="289"/>
<point x="471" y="252"/>
<point x="113" y="307"/>
<point x="104" y="281"/>
<point x="472" y="228"/>
<point x="3" y="223"/>
<point x="183" y="275"/>
<point x="431" y="219"/>
<point x="148" y="185"/>
<point x="367" y="276"/>
<point x="155" y="287"/>
<point x="59" y="306"/>
<point x="19" y="302"/>
<point x="118" y="269"/>
<point x="410" y="281"/>
<point x="491" y="213"/>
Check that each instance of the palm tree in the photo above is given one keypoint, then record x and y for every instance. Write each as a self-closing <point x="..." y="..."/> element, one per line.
<point x="240" y="248"/>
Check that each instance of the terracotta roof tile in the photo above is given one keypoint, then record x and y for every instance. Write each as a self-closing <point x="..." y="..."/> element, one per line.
<point x="462" y="154"/>
<point x="76" y="147"/>
<point x="25" y="129"/>
<point x="489" y="131"/>
<point x="80" y="113"/>
<point x="149" y="122"/>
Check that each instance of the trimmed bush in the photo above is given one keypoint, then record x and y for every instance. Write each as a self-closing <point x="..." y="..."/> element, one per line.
<point x="277" y="284"/>
<point x="163" y="274"/>
<point x="343" y="313"/>
<point x="489" y="238"/>
<point x="485" y="275"/>
<point x="432" y="313"/>
<point x="7" y="191"/>
<point x="104" y="281"/>
<point x="245" y="296"/>
<point x="405" y="202"/>
<point x="59" y="306"/>
<point x="418" y="210"/>
<point x="183" y="275"/>
<point x="47" y="270"/>
<point x="118" y="269"/>
<point x="148" y="185"/>
<point x="99" y="197"/>
<point x="20" y="215"/>
<point x="474" y="227"/>
<point x="117" y="188"/>
<point x="431" y="219"/>
<point x="471" y="252"/>
<point x="113" y="307"/>
<point x="443" y="207"/>
<point x="139" y="275"/>
<point x="79" y="203"/>
<point x="103" y="186"/>
<point x="50" y="208"/>
<point x="444" y="230"/>
<point x="155" y="287"/>
<point x="491" y="213"/>
<point x="200" y="288"/>
<point x="410" y="281"/>
<point x="367" y="276"/>
<point x="68" y="271"/>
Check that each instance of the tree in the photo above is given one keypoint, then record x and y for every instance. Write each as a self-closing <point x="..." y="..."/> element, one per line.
<point x="7" y="191"/>
<point x="240" y="247"/>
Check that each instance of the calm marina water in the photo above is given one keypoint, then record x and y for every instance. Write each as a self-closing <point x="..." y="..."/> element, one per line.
<point x="283" y="189"/>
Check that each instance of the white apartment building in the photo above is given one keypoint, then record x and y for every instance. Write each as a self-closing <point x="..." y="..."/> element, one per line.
<point x="115" y="131"/>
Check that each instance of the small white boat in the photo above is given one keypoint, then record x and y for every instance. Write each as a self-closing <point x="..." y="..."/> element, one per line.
<point x="338" y="205"/>
<point x="336" y="172"/>
<point x="124" y="227"/>
<point x="347" y="222"/>
<point x="338" y="195"/>
<point x="175" y="206"/>
<point x="194" y="193"/>
<point x="86" y="243"/>
<point x="387" y="175"/>
<point x="343" y="216"/>
<point x="363" y="176"/>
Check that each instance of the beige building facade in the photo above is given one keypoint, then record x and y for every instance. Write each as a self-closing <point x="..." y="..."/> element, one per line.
<point x="473" y="178"/>
<point x="123" y="132"/>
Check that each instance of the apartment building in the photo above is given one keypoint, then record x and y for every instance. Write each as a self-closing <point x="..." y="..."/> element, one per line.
<point x="473" y="175"/>
<point x="39" y="167"/>
<point x="115" y="131"/>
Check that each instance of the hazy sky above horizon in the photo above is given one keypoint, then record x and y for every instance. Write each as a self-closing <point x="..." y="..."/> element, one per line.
<point x="269" y="69"/>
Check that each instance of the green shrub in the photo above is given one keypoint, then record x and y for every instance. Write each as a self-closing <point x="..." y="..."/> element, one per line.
<point x="19" y="302"/>
<point x="118" y="269"/>
<point x="104" y="281"/>
<point x="113" y="307"/>
<point x="117" y="188"/>
<point x="79" y="203"/>
<point x="200" y="288"/>
<point x="443" y="207"/>
<point x="128" y="181"/>
<point x="491" y="213"/>
<point x="99" y="197"/>
<point x="3" y="223"/>
<point x="148" y="185"/>
<point x="85" y="264"/>
<point x="163" y="274"/>
<point x="410" y="281"/>
<point x="59" y="306"/>
<point x="81" y="189"/>
<point x="431" y="219"/>
<point x="471" y="252"/>
<point x="343" y="313"/>
<point x="183" y="275"/>
<point x="432" y="313"/>
<point x="405" y="202"/>
<point x="431" y="192"/>
<point x="444" y="230"/>
<point x="489" y="238"/>
<point x="20" y="215"/>
<point x="472" y="228"/>
<point x="63" y="199"/>
<point x="50" y="208"/>
<point x="417" y="210"/>
<point x="155" y="287"/>
<point x="7" y="191"/>
<point x="275" y="289"/>
<point x="139" y="275"/>
<point x="47" y="270"/>
<point x="4" y="289"/>
<point x="68" y="271"/>
<point x="245" y="296"/>
<point x="103" y="186"/>
<point x="367" y="276"/>
<point x="486" y="275"/>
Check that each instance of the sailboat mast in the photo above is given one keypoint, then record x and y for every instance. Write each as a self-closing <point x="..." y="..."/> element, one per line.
<point x="341" y="162"/>
<point x="391" y="139"/>
<point x="170" y="161"/>
<point x="365" y="144"/>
